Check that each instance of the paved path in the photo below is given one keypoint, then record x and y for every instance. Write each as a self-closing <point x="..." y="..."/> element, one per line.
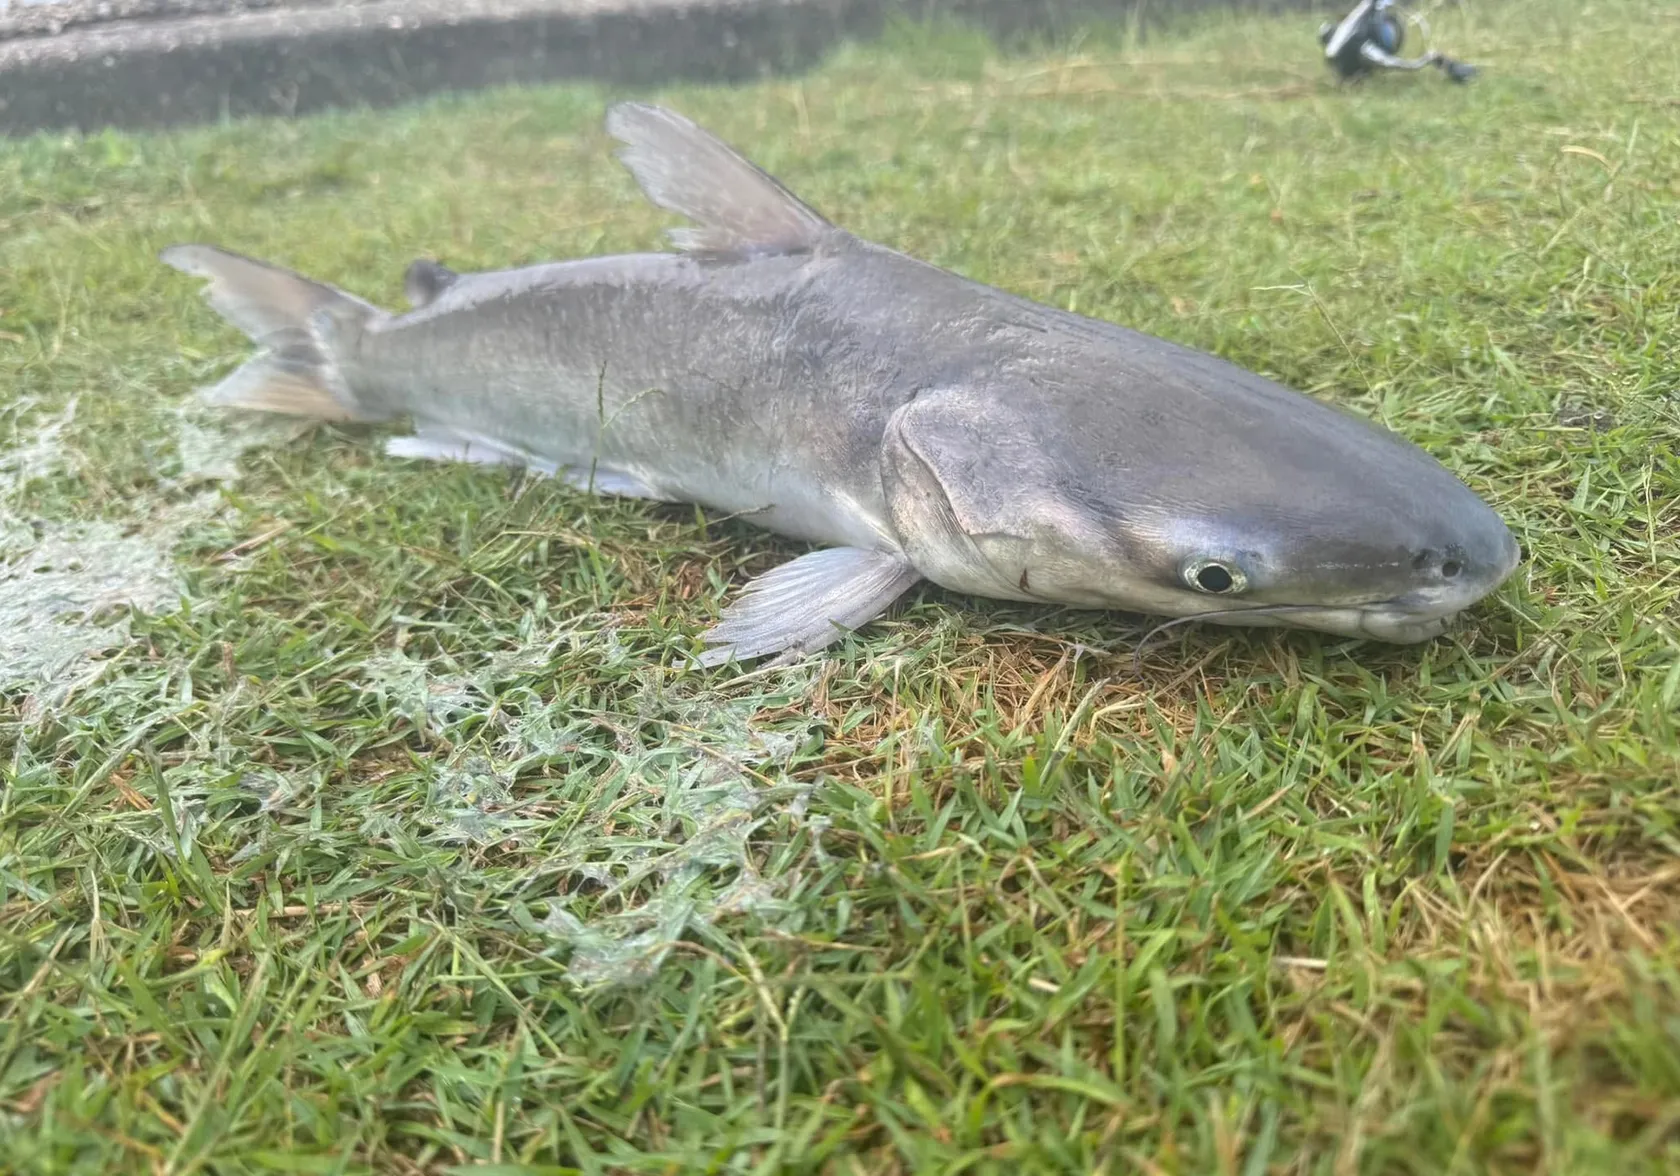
<point x="140" y="63"/>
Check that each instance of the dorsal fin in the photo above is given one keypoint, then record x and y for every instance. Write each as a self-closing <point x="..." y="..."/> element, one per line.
<point x="425" y="280"/>
<point x="737" y="207"/>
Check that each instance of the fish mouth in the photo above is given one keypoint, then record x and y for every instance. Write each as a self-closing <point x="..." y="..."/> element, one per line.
<point x="1398" y="628"/>
<point x="1408" y="619"/>
<point x="1384" y="621"/>
<point x="1393" y="626"/>
<point x="1379" y="622"/>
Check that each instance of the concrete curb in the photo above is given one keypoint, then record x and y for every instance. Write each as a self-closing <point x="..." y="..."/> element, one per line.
<point x="152" y="63"/>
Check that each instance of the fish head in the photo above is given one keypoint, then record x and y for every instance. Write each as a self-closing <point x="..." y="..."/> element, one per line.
<point x="1206" y="492"/>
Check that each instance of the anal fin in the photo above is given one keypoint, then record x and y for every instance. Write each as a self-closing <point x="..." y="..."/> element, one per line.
<point x="616" y="483"/>
<point x="434" y="444"/>
<point x="808" y="603"/>
<point x="440" y="443"/>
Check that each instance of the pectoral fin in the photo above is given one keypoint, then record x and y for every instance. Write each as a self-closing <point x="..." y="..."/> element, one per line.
<point x="808" y="603"/>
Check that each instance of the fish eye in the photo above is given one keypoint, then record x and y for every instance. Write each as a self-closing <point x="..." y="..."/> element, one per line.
<point x="1210" y="575"/>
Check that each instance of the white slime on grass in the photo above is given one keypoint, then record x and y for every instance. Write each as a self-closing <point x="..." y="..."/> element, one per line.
<point x="646" y="814"/>
<point x="69" y="587"/>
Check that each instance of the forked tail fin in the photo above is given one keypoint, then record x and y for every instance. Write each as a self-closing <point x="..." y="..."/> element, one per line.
<point x="295" y="321"/>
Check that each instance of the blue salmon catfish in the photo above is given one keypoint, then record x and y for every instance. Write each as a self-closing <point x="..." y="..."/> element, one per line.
<point x="914" y="424"/>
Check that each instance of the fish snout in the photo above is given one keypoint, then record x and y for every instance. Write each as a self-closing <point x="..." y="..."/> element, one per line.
<point x="1477" y="560"/>
<point x="1449" y="575"/>
<point x="1466" y="569"/>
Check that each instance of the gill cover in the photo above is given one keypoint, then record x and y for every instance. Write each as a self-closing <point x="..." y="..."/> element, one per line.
<point x="978" y="502"/>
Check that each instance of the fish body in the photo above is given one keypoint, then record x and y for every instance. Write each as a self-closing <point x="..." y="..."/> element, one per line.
<point x="917" y="424"/>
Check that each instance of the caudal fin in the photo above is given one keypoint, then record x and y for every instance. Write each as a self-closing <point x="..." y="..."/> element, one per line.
<point x="294" y="320"/>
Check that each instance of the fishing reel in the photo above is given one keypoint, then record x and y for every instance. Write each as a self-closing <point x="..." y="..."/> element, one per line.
<point x="1371" y="36"/>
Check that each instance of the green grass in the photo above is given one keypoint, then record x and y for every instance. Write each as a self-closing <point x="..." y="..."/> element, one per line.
<point x="402" y="845"/>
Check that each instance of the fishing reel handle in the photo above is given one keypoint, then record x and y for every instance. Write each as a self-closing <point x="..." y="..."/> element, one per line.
<point x="1458" y="71"/>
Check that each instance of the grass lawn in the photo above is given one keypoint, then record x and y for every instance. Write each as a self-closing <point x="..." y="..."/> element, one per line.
<point x="388" y="835"/>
